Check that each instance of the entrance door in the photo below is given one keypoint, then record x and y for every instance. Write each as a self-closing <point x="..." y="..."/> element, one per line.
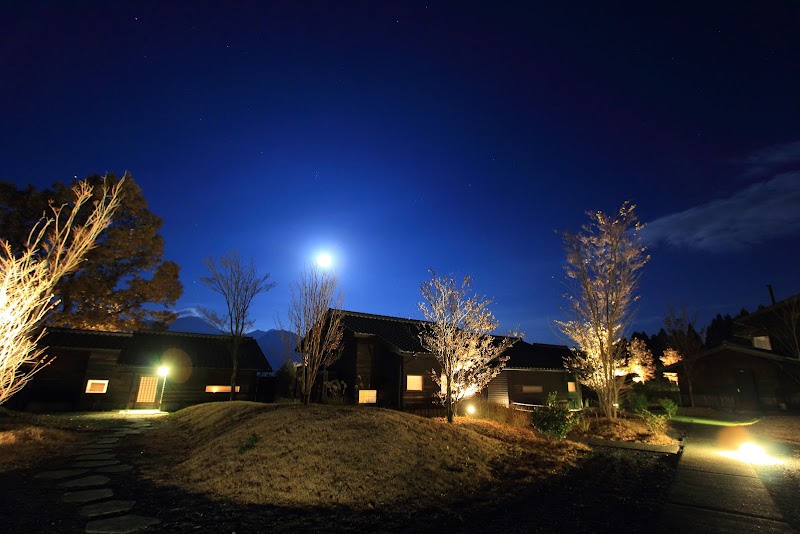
<point x="746" y="393"/>
<point x="146" y="396"/>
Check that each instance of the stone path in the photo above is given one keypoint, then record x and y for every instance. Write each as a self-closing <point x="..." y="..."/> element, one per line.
<point x="87" y="479"/>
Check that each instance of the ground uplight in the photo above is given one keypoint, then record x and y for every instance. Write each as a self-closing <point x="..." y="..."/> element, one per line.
<point x="752" y="454"/>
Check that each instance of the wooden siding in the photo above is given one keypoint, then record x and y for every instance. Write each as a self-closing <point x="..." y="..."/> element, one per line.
<point x="498" y="389"/>
<point x="510" y="387"/>
<point x="715" y="383"/>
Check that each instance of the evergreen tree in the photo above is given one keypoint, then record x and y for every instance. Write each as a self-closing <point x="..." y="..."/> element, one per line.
<point x="121" y="277"/>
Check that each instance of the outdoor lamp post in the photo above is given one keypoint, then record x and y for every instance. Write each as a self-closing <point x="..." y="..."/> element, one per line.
<point x="163" y="371"/>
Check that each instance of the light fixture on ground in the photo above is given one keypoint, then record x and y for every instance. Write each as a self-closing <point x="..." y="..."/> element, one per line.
<point x="163" y="371"/>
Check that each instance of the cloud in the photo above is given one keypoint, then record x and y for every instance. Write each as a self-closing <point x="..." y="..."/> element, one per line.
<point x="762" y="211"/>
<point x="770" y="159"/>
<point x="188" y="312"/>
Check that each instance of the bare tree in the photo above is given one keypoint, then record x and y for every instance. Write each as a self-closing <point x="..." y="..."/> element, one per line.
<point x="55" y="247"/>
<point x="786" y="327"/>
<point x="315" y="320"/>
<point x="686" y="340"/>
<point x="238" y="284"/>
<point x="603" y="267"/>
<point x="459" y="335"/>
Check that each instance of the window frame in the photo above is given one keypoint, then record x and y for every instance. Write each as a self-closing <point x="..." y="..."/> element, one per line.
<point x="415" y="377"/>
<point x="92" y="381"/>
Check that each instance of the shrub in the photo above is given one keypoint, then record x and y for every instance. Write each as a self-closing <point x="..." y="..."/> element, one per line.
<point x="552" y="420"/>
<point x="637" y="402"/>
<point x="656" y="424"/>
<point x="669" y="406"/>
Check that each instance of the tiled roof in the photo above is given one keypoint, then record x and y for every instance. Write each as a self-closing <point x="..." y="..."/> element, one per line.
<point x="524" y="355"/>
<point x="146" y="348"/>
<point x="85" y="339"/>
<point x="402" y="335"/>
<point x="204" y="350"/>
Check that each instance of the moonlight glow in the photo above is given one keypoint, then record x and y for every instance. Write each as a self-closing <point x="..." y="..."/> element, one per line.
<point x="324" y="260"/>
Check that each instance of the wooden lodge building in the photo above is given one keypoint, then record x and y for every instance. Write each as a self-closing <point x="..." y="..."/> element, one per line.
<point x="384" y="363"/>
<point x="92" y="370"/>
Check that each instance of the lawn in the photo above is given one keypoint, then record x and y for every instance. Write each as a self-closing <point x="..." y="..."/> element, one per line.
<point x="248" y="467"/>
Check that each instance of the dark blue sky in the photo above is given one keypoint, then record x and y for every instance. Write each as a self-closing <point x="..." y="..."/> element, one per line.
<point x="406" y="135"/>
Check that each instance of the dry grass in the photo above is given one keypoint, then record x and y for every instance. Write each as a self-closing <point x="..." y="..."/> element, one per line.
<point x="362" y="458"/>
<point x="27" y="440"/>
<point x="632" y="429"/>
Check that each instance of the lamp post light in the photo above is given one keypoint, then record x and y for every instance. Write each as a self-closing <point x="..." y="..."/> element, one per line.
<point x="163" y="371"/>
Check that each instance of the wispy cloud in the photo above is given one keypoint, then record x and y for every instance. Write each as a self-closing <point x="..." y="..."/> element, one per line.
<point x="188" y="312"/>
<point x="770" y="159"/>
<point x="762" y="211"/>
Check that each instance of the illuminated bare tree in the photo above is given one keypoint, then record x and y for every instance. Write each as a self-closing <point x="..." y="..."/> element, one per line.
<point x="603" y="267"/>
<point x="670" y="357"/>
<point x="640" y="360"/>
<point x="238" y="284"/>
<point x="315" y="320"/>
<point x="459" y="335"/>
<point x="55" y="247"/>
<point x="786" y="329"/>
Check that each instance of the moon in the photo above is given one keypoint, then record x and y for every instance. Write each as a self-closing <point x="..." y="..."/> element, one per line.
<point x="324" y="260"/>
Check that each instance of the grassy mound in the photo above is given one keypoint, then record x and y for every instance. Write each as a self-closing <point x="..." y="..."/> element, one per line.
<point x="359" y="457"/>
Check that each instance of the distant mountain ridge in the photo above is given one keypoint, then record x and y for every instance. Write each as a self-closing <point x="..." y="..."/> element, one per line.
<point x="270" y="341"/>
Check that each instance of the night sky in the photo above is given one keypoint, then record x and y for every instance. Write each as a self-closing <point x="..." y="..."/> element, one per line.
<point x="406" y="135"/>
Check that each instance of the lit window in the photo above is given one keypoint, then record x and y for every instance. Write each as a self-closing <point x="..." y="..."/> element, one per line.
<point x="221" y="389"/>
<point x="762" y="342"/>
<point x="532" y="389"/>
<point x="96" y="386"/>
<point x="571" y="387"/>
<point x="367" y="396"/>
<point x="414" y="382"/>
<point x="672" y="377"/>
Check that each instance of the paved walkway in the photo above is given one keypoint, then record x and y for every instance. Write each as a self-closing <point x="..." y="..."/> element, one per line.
<point x="712" y="493"/>
<point x="88" y="482"/>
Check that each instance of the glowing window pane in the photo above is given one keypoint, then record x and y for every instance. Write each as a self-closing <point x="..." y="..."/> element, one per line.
<point x="96" y="386"/>
<point x="762" y="342"/>
<point x="571" y="387"/>
<point x="414" y="382"/>
<point x="221" y="389"/>
<point x="367" y="396"/>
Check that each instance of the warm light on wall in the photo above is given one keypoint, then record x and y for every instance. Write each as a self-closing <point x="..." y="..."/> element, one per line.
<point x="221" y="389"/>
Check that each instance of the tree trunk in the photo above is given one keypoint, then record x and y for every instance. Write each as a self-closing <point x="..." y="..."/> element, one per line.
<point x="233" y="378"/>
<point x="449" y="402"/>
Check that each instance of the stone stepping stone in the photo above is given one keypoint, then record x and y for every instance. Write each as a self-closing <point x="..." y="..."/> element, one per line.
<point x="98" y="450"/>
<point x="106" y="507"/>
<point x="87" y="495"/>
<point x="60" y="473"/>
<point x="121" y="468"/>
<point x="96" y="463"/>
<point x="105" y="456"/>
<point x="83" y="482"/>
<point x="120" y="525"/>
